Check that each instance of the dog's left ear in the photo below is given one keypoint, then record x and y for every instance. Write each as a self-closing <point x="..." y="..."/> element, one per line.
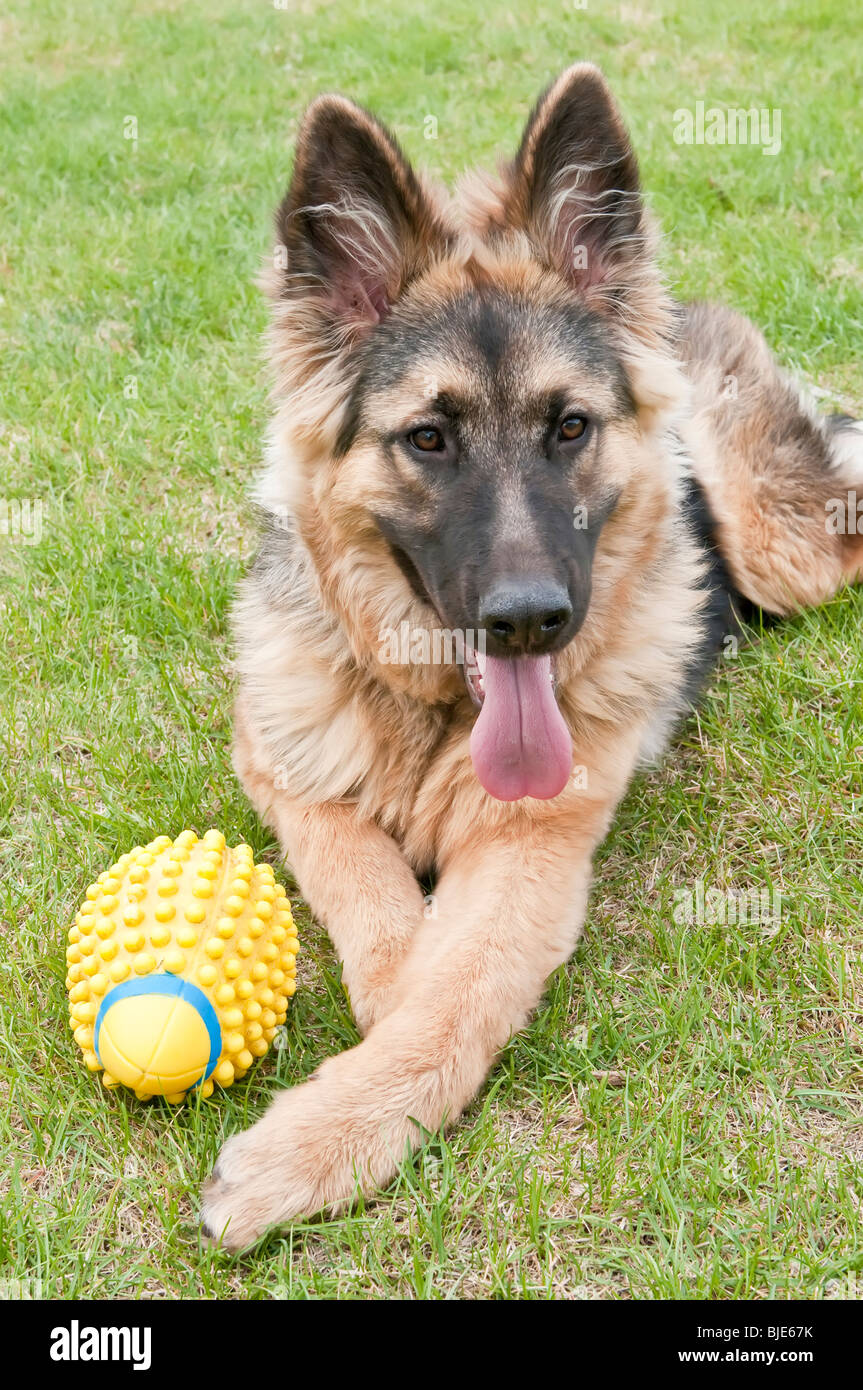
<point x="574" y="186"/>
<point x="574" y="189"/>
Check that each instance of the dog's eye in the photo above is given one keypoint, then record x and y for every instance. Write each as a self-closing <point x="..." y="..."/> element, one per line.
<point x="427" y="440"/>
<point x="573" y="428"/>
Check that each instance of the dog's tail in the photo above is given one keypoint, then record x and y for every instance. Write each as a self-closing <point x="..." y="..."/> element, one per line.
<point x="784" y="483"/>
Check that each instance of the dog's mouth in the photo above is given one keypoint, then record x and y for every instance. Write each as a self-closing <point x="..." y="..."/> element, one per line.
<point x="475" y="665"/>
<point x="520" y="745"/>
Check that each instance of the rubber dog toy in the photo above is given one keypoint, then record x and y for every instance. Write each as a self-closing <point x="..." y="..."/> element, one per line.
<point x="182" y="959"/>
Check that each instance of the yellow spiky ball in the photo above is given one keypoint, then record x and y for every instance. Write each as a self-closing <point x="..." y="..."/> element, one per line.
<point x="182" y="959"/>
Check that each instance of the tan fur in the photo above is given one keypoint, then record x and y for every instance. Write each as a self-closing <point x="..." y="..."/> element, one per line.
<point x="444" y="995"/>
<point x="363" y="768"/>
<point x="768" y="486"/>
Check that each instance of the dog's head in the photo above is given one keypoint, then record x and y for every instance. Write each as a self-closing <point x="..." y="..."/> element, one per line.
<point x="470" y="396"/>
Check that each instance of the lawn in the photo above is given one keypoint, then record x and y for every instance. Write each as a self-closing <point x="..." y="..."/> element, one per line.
<point x="684" y="1117"/>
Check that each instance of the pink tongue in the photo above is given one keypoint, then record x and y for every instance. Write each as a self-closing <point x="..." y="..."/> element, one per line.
<point x="520" y="744"/>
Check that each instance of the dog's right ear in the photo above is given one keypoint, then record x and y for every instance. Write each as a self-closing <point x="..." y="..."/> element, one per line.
<point x="355" y="224"/>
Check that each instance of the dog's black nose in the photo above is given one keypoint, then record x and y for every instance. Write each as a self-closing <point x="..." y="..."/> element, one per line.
<point x="521" y="617"/>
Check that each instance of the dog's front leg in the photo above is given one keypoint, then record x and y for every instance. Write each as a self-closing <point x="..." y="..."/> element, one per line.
<point x="357" y="882"/>
<point x="509" y="912"/>
<point x="350" y="872"/>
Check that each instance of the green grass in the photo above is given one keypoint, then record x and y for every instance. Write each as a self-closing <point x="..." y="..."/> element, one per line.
<point x="683" y="1118"/>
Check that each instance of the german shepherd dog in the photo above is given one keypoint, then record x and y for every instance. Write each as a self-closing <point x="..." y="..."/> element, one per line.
<point x="491" y="418"/>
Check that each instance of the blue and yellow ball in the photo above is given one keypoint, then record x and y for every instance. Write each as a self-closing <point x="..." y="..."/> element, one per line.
<point x="181" y="963"/>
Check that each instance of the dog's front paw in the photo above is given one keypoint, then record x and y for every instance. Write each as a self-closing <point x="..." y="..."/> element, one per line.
<point x="277" y="1171"/>
<point x="323" y="1143"/>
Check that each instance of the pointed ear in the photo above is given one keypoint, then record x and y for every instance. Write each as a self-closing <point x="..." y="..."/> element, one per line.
<point x="355" y="224"/>
<point x="574" y="186"/>
<point x="574" y="189"/>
